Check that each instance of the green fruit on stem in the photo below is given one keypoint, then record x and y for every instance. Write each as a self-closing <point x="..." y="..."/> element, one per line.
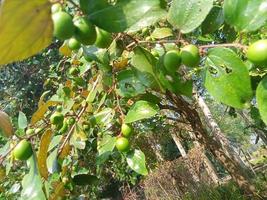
<point x="23" y="151"/>
<point x="57" y="118"/>
<point x="59" y="108"/>
<point x="190" y="55"/>
<point x="74" y="71"/>
<point x="73" y="44"/>
<point x="63" y="25"/>
<point x="172" y="61"/>
<point x="122" y="144"/>
<point x="56" y="8"/>
<point x="257" y="52"/>
<point x="71" y="121"/>
<point x="85" y="31"/>
<point x="126" y="130"/>
<point x="103" y="38"/>
<point x="30" y="131"/>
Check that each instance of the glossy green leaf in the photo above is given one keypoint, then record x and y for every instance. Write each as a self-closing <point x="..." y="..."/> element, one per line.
<point x="106" y="144"/>
<point x="130" y="15"/>
<point x="187" y="15"/>
<point x="32" y="183"/>
<point x="141" y="110"/>
<point x="245" y="15"/>
<point x="22" y="121"/>
<point x="128" y="84"/>
<point x="137" y="162"/>
<point x="144" y="62"/>
<point x="160" y="33"/>
<point x="227" y="78"/>
<point x="261" y="95"/>
<point x="25" y="28"/>
<point x="213" y="21"/>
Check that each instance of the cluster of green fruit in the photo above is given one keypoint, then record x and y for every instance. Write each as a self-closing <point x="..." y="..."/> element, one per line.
<point x="257" y="53"/>
<point x="189" y="56"/>
<point x="78" y="31"/>
<point x="122" y="142"/>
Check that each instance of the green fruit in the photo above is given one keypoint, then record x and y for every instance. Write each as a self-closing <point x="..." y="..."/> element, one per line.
<point x="57" y="118"/>
<point x="103" y="38"/>
<point x="190" y="55"/>
<point x="30" y="131"/>
<point x="85" y="31"/>
<point x="23" y="151"/>
<point x="74" y="71"/>
<point x="257" y="52"/>
<point x="56" y="8"/>
<point x="172" y="61"/>
<point x="126" y="130"/>
<point x="122" y="144"/>
<point x="59" y="108"/>
<point x="73" y="44"/>
<point x="71" y="121"/>
<point x="63" y="25"/>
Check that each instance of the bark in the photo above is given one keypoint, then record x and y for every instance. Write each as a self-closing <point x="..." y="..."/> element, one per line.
<point x="220" y="136"/>
<point x="179" y="145"/>
<point x="211" y="144"/>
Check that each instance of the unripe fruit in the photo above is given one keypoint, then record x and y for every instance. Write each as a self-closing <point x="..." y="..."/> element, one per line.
<point x="63" y="25"/>
<point x="172" y="61"/>
<point x="257" y="52"/>
<point x="73" y="44"/>
<point x="30" y="131"/>
<point x="126" y="130"/>
<point x="122" y="144"/>
<point x="56" y="8"/>
<point x="59" y="108"/>
<point x="74" y="71"/>
<point x="57" y="118"/>
<point x="85" y="31"/>
<point x="23" y="151"/>
<point x="71" y="121"/>
<point x="103" y="38"/>
<point x="190" y="55"/>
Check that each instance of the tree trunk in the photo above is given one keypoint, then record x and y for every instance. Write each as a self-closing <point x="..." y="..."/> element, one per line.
<point x="179" y="145"/>
<point x="211" y="144"/>
<point x="220" y="136"/>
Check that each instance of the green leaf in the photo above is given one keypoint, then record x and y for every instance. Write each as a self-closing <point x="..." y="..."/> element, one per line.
<point x="160" y="33"/>
<point x="227" y="78"/>
<point x="103" y="118"/>
<point x="25" y="28"/>
<point x="106" y="144"/>
<point x="245" y="15"/>
<point x="261" y="95"/>
<point x="213" y="21"/>
<point x="128" y="84"/>
<point x="144" y="62"/>
<point x="137" y="162"/>
<point x="130" y="15"/>
<point x="22" y="121"/>
<point x="141" y="110"/>
<point x="32" y="183"/>
<point x="187" y="15"/>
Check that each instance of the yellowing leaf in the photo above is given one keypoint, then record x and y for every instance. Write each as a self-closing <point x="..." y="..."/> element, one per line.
<point x="5" y="124"/>
<point x="65" y="50"/>
<point x="42" y="154"/>
<point x="39" y="114"/>
<point x="25" y="28"/>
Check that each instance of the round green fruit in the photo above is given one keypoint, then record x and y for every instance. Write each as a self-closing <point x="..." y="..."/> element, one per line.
<point x="122" y="144"/>
<point x="85" y="31"/>
<point x="190" y="55"/>
<point x="56" y="8"/>
<point x="63" y="25"/>
<point x="103" y="38"/>
<point x="172" y="60"/>
<point x="257" y="52"/>
<point x="71" y="121"/>
<point x="23" y="151"/>
<point x="57" y="118"/>
<point x="74" y="71"/>
<point x="73" y="44"/>
<point x="126" y="130"/>
<point x="59" y="108"/>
